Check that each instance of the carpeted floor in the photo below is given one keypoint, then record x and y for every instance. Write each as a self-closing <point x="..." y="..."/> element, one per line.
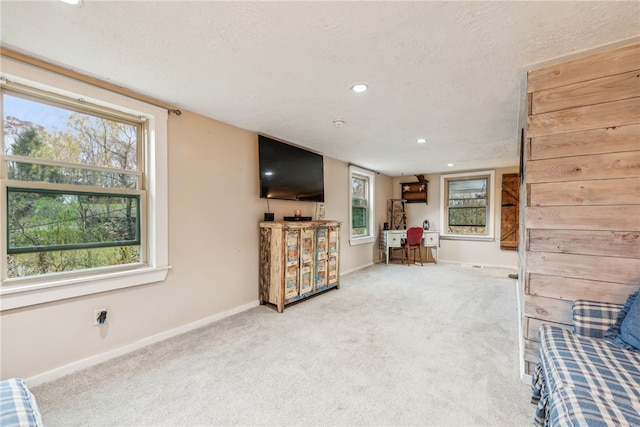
<point x="394" y="346"/>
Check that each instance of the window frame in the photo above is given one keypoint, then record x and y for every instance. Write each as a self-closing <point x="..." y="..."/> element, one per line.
<point x="136" y="195"/>
<point x="444" y="203"/>
<point x="21" y="292"/>
<point x="369" y="237"/>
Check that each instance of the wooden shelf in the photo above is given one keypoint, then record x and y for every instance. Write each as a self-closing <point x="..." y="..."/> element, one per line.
<point x="415" y="192"/>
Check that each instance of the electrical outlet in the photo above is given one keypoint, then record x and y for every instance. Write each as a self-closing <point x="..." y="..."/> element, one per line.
<point x="96" y="314"/>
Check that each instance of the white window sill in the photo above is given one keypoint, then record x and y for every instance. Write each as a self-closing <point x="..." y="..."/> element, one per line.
<point x="469" y="238"/>
<point x="20" y="293"/>
<point x="361" y="240"/>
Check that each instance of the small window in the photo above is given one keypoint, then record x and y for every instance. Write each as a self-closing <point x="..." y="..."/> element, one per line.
<point x="361" y="214"/>
<point x="359" y="206"/>
<point x="467" y="205"/>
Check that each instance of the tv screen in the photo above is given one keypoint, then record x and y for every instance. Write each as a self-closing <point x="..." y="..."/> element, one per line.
<point x="289" y="173"/>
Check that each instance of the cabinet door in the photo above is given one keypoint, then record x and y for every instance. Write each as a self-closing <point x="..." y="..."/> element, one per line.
<point x="321" y="274"/>
<point x="307" y="246"/>
<point x="292" y="263"/>
<point x="321" y="243"/>
<point x="291" y="282"/>
<point x="333" y="241"/>
<point x="292" y="244"/>
<point x="334" y="249"/>
<point x="306" y="260"/>
<point x="333" y="271"/>
<point x="306" y="276"/>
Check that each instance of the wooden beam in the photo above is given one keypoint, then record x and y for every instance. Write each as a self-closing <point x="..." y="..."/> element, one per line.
<point x="595" y="141"/>
<point x="554" y="310"/>
<point x="623" y="244"/>
<point x="614" y="218"/>
<point x="606" y="269"/>
<point x="608" y="114"/>
<point x="531" y="351"/>
<point x="567" y="288"/>
<point x="585" y="168"/>
<point x="605" y="89"/>
<point x="586" y="193"/>
<point x="533" y="326"/>
<point x="608" y="63"/>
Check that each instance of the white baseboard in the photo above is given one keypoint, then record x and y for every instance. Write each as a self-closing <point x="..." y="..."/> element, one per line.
<point x="103" y="357"/>
<point x="467" y="264"/>
<point x="520" y="334"/>
<point x="369" y="264"/>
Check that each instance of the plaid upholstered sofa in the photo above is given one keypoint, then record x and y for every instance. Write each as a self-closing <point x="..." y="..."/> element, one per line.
<point x="582" y="379"/>
<point x="18" y="407"/>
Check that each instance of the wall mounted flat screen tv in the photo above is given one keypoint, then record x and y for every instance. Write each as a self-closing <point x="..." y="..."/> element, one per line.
<point x="289" y="173"/>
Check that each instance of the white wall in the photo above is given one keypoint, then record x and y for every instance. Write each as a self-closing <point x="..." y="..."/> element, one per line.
<point x="459" y="251"/>
<point x="214" y="210"/>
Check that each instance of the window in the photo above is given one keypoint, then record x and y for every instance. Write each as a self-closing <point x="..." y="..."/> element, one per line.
<point x="83" y="189"/>
<point x="361" y="217"/>
<point x="73" y="186"/>
<point x="467" y="201"/>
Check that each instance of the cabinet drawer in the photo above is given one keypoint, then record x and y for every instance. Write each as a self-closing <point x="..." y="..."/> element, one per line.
<point x="394" y="238"/>
<point x="431" y="238"/>
<point x="394" y="242"/>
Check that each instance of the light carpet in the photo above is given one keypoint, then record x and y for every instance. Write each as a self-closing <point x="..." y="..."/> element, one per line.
<point x="394" y="346"/>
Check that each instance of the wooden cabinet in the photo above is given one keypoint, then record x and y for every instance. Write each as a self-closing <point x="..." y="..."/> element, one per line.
<point x="298" y="260"/>
<point x="415" y="192"/>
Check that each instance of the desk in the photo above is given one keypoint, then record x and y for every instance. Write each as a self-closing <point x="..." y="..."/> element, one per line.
<point x="393" y="239"/>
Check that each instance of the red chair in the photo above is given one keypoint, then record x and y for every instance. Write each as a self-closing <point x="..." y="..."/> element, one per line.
<point x="413" y="242"/>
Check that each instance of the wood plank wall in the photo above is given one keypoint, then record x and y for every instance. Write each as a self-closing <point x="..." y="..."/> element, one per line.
<point x="582" y="176"/>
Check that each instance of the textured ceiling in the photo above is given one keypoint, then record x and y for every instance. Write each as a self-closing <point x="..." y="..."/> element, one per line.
<point x="451" y="72"/>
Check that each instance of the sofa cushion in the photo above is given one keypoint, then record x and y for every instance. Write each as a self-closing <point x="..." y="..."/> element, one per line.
<point x="593" y="318"/>
<point x="613" y="334"/>
<point x="18" y="406"/>
<point x="630" y="328"/>
<point x="585" y="380"/>
<point x="593" y="365"/>
<point x="577" y="407"/>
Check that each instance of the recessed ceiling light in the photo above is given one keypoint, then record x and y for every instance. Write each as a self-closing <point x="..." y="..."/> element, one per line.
<point x="338" y="123"/>
<point x="449" y="164"/>
<point x="359" y="88"/>
<point x="421" y="140"/>
<point x="73" y="2"/>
